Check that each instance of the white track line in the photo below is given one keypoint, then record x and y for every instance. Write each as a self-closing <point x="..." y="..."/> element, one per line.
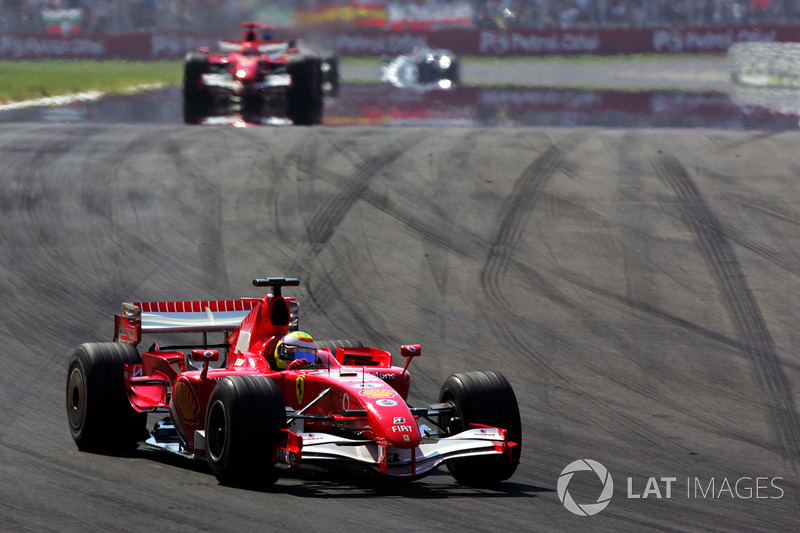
<point x="88" y="96"/>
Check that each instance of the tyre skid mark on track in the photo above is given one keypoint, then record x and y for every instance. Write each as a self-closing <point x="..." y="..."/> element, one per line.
<point x="211" y="245"/>
<point x="63" y="255"/>
<point x="741" y="304"/>
<point x="325" y="221"/>
<point x="526" y="193"/>
<point x="774" y="213"/>
<point x="328" y="290"/>
<point x="466" y="245"/>
<point x="636" y="223"/>
<point x="641" y="293"/>
<point x="524" y="197"/>
<point x="777" y="258"/>
<point x="124" y="237"/>
<point x="624" y="347"/>
<point x="44" y="212"/>
<point x="267" y="179"/>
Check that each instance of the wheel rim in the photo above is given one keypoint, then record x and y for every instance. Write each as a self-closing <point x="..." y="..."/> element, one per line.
<point x="216" y="431"/>
<point x="76" y="398"/>
<point x="454" y="423"/>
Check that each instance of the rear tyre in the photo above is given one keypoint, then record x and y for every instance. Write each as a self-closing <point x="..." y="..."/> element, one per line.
<point x="482" y="398"/>
<point x="196" y="98"/>
<point x="244" y="419"/>
<point x="304" y="98"/>
<point x="100" y="416"/>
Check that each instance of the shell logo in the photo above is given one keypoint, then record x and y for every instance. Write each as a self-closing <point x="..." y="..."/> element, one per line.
<point x="377" y="393"/>
<point x="187" y="402"/>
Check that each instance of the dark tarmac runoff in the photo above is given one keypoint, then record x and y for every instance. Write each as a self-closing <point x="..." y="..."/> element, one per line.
<point x="633" y="272"/>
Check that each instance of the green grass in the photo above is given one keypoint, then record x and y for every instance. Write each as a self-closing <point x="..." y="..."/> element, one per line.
<point x="21" y="80"/>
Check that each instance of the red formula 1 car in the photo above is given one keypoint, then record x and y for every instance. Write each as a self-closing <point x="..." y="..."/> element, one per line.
<point x="260" y="75"/>
<point x="269" y="399"/>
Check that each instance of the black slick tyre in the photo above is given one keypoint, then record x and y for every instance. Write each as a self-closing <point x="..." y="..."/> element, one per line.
<point x="244" y="419"/>
<point x="304" y="98"/>
<point x="196" y="99"/>
<point x="486" y="398"/>
<point x="100" y="416"/>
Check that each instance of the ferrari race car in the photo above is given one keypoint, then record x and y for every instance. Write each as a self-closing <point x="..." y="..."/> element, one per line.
<point x="424" y="68"/>
<point x="261" y="76"/>
<point x="257" y="405"/>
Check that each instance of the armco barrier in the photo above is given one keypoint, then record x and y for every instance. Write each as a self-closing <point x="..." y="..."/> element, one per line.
<point x="495" y="43"/>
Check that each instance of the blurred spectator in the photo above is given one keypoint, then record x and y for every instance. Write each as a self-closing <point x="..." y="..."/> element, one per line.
<point x="114" y="16"/>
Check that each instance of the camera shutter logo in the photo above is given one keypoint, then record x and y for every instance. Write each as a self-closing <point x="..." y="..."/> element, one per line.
<point x="587" y="509"/>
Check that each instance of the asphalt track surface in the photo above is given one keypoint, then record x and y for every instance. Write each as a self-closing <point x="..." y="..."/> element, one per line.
<point x="639" y="289"/>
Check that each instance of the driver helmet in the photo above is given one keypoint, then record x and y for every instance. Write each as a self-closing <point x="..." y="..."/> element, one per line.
<point x="294" y="346"/>
<point x="249" y="49"/>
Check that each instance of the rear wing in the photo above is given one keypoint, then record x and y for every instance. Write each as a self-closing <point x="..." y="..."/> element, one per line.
<point x="264" y="47"/>
<point x="182" y="317"/>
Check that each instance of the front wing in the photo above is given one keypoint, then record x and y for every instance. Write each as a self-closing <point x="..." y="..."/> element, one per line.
<point x="325" y="449"/>
<point x="320" y="448"/>
<point x="224" y="83"/>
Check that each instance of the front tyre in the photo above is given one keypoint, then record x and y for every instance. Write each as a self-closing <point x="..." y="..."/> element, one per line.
<point x="482" y="398"/>
<point x="196" y="99"/>
<point x="244" y="419"/>
<point x="100" y="416"/>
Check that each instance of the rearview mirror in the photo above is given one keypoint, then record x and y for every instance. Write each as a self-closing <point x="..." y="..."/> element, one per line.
<point x="205" y="356"/>
<point x="410" y="351"/>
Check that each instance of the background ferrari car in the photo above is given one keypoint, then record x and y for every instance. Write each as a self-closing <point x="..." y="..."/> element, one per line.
<point x="423" y="68"/>
<point x="258" y="75"/>
<point x="266" y="398"/>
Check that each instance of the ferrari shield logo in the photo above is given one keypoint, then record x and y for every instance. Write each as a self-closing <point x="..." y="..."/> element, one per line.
<point x="300" y="388"/>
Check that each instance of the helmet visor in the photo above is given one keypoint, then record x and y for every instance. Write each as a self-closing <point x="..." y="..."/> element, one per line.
<point x="292" y="353"/>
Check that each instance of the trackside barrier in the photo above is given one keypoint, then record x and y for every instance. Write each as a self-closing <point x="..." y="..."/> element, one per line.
<point x="376" y="42"/>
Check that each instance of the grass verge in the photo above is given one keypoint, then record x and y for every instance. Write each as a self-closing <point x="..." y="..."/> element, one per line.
<point x="23" y="80"/>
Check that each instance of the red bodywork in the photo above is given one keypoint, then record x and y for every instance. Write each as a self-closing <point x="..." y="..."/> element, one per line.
<point x="249" y="60"/>
<point x="366" y="397"/>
